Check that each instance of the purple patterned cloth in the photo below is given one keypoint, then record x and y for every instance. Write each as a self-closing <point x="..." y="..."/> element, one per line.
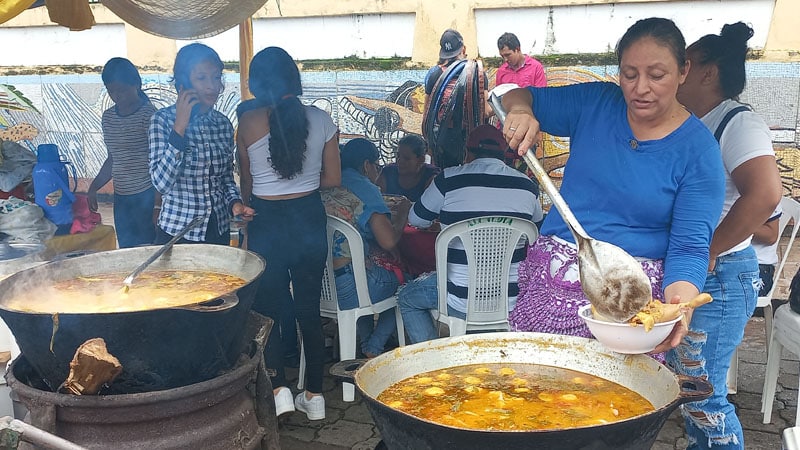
<point x="550" y="290"/>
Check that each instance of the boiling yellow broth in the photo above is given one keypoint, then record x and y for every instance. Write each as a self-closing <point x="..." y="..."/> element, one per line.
<point x="105" y="293"/>
<point x="514" y="397"/>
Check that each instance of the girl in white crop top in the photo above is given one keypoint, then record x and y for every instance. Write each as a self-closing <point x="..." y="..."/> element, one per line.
<point x="287" y="151"/>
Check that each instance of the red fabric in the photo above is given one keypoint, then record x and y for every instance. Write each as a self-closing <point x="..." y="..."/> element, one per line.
<point x="84" y="220"/>
<point x="418" y="249"/>
<point x="18" y="192"/>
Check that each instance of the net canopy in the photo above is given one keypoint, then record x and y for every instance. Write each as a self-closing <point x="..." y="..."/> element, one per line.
<point x="184" y="19"/>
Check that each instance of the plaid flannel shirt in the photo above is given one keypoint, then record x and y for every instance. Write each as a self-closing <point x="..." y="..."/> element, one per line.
<point x="194" y="172"/>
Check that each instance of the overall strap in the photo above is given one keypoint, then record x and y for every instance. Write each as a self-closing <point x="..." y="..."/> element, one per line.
<point x="727" y="118"/>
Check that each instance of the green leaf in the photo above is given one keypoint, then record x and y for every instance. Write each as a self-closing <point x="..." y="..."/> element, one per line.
<point x="14" y="100"/>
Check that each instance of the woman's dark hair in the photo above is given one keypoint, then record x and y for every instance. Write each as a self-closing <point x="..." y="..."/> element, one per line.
<point x="663" y="31"/>
<point x="121" y="70"/>
<point x="416" y="143"/>
<point x="187" y="58"/>
<point x="275" y="82"/>
<point x="727" y="51"/>
<point x="356" y="151"/>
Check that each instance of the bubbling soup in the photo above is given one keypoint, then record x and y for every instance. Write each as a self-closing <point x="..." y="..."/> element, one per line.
<point x="514" y="397"/>
<point x="105" y="293"/>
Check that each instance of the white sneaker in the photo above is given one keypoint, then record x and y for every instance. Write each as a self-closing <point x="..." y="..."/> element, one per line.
<point x="314" y="408"/>
<point x="283" y="401"/>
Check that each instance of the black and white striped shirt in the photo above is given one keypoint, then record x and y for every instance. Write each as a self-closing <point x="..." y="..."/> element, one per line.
<point x="483" y="187"/>
<point x="126" y="142"/>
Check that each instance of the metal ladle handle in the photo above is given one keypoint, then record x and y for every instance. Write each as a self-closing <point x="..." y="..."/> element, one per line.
<point x="129" y="279"/>
<point x="541" y="175"/>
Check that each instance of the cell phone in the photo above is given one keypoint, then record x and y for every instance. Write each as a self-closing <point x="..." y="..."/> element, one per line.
<point x="196" y="108"/>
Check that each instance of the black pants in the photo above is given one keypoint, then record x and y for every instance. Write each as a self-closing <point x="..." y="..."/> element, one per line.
<point x="291" y="236"/>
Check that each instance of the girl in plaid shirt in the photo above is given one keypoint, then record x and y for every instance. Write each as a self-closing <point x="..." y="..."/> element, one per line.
<point x="191" y="154"/>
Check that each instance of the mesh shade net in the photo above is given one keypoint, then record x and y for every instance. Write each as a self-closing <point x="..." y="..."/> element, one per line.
<point x="184" y="19"/>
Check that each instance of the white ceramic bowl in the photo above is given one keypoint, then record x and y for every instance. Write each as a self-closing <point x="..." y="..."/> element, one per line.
<point x="623" y="337"/>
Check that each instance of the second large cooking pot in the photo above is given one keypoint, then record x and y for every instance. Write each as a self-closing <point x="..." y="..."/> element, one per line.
<point x="640" y="373"/>
<point x="158" y="348"/>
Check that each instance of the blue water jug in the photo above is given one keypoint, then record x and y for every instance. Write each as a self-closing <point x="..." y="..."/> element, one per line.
<point x="51" y="184"/>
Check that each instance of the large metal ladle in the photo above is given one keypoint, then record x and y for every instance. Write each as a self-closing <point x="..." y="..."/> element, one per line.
<point x="612" y="280"/>
<point x="128" y="281"/>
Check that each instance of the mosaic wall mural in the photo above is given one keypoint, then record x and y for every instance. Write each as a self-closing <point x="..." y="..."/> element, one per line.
<point x="381" y="106"/>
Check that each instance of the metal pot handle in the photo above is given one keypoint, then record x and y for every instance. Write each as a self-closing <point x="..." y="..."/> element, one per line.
<point x="693" y="389"/>
<point x="221" y="303"/>
<point x="346" y="370"/>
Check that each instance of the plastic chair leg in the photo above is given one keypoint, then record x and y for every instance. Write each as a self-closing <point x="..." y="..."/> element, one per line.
<point x="347" y="350"/>
<point x="401" y="331"/>
<point x="733" y="373"/>
<point x="768" y="314"/>
<point x="771" y="378"/>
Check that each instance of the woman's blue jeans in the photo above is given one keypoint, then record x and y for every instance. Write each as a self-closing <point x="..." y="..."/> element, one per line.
<point x="133" y="218"/>
<point x="416" y="300"/>
<point x="716" y="330"/>
<point x="381" y="284"/>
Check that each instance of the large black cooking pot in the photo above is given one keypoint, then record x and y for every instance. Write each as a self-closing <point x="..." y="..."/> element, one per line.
<point x="640" y="373"/>
<point x="158" y="348"/>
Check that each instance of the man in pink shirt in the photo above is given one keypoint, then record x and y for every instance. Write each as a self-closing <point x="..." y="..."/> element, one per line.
<point x="518" y="67"/>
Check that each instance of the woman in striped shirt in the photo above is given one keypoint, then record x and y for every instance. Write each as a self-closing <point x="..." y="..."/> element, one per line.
<point x="125" y="135"/>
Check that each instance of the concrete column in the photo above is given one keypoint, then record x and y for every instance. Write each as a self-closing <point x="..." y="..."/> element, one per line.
<point x="433" y="18"/>
<point x="783" y="40"/>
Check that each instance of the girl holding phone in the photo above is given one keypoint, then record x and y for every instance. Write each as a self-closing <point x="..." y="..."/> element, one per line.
<point x="191" y="154"/>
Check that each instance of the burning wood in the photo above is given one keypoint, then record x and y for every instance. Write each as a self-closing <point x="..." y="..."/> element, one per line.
<point x="91" y="368"/>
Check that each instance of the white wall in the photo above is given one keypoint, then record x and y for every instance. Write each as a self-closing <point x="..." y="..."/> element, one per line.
<point x="366" y="36"/>
<point x="56" y="45"/>
<point x="597" y="28"/>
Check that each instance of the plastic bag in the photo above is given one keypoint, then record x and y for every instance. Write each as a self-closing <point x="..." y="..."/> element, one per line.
<point x="24" y="222"/>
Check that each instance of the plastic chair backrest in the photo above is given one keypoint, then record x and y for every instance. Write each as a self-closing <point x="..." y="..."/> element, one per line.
<point x="329" y="304"/>
<point x="791" y="212"/>
<point x="489" y="243"/>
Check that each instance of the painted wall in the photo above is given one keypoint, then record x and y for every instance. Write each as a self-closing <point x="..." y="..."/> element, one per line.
<point x="381" y="106"/>
<point x="408" y="28"/>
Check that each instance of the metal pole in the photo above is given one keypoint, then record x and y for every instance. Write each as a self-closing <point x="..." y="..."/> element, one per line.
<point x="33" y="435"/>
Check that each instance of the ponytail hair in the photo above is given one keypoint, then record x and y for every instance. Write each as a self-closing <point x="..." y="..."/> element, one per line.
<point x="728" y="52"/>
<point x="275" y="82"/>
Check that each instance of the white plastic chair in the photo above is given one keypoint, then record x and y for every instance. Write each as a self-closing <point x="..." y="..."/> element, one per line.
<point x="791" y="212"/>
<point x="489" y="243"/>
<point x="346" y="320"/>
<point x="785" y="334"/>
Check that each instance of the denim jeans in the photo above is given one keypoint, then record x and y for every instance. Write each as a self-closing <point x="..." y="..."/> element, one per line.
<point x="290" y="235"/>
<point x="133" y="218"/>
<point x="716" y="330"/>
<point x="416" y="299"/>
<point x="381" y="284"/>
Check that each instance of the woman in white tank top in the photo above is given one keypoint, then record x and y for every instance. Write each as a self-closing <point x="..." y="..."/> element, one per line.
<point x="287" y="151"/>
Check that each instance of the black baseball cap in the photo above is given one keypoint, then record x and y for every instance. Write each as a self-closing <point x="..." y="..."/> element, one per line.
<point x="450" y="44"/>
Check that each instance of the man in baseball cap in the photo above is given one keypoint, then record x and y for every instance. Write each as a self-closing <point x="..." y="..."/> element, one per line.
<point x="451" y="44"/>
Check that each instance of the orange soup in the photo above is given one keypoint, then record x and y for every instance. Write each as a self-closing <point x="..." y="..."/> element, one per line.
<point x="105" y="293"/>
<point x="514" y="397"/>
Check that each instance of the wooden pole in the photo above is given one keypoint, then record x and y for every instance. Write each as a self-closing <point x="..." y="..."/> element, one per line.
<point x="245" y="55"/>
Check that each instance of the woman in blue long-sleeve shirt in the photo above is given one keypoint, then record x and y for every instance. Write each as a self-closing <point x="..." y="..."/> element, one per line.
<point x="643" y="174"/>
